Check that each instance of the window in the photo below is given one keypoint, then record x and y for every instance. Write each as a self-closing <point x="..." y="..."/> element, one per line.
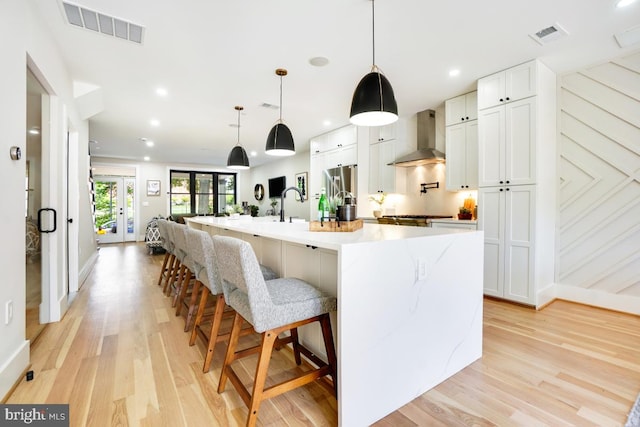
<point x="201" y="193"/>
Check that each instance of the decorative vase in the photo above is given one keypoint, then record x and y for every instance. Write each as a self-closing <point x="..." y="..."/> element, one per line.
<point x="464" y="215"/>
<point x="377" y="213"/>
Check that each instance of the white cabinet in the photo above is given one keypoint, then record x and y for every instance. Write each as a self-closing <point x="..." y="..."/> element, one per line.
<point x="507" y="144"/>
<point x="383" y="133"/>
<point x="335" y="140"/>
<point x="461" y="109"/>
<point x="462" y="156"/>
<point x="517" y="181"/>
<point x="507" y="217"/>
<point x="385" y="178"/>
<point x="510" y="85"/>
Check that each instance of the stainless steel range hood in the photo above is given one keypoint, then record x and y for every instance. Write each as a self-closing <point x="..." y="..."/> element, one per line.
<point x="426" y="152"/>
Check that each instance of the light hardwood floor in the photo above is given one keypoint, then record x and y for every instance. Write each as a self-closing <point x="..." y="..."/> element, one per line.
<point x="120" y="357"/>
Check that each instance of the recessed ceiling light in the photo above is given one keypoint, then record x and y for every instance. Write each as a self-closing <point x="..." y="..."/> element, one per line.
<point x="623" y="3"/>
<point x="319" y="61"/>
<point x="253" y="154"/>
<point x="161" y="91"/>
<point x="150" y="143"/>
<point x="154" y="122"/>
<point x="147" y="158"/>
<point x="454" y="72"/>
<point x="327" y="123"/>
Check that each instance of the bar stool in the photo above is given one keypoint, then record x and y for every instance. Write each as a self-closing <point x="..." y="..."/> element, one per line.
<point x="174" y="262"/>
<point x="186" y="285"/>
<point x="168" y="249"/>
<point x="206" y="272"/>
<point x="271" y="307"/>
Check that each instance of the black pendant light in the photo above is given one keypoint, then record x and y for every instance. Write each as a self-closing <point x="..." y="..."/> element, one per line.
<point x="238" y="158"/>
<point x="280" y="140"/>
<point x="373" y="102"/>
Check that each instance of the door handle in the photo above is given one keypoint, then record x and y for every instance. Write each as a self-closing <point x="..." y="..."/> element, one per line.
<point x="55" y="220"/>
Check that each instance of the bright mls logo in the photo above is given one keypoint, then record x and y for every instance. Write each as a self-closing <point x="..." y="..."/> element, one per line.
<point x="34" y="415"/>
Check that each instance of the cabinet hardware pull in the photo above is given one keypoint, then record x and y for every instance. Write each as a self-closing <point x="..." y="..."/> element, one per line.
<point x="501" y="189"/>
<point x="507" y="188"/>
<point x="507" y="98"/>
<point x="501" y="100"/>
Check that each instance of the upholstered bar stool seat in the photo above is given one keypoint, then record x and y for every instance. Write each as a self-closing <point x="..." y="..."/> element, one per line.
<point x="271" y="307"/>
<point x="206" y="273"/>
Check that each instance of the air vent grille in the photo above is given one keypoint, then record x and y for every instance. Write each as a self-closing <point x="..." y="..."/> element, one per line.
<point x="99" y="22"/>
<point x="269" y="106"/>
<point x="549" y="34"/>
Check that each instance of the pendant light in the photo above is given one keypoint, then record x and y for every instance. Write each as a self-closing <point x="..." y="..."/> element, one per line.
<point x="238" y="158"/>
<point x="373" y="102"/>
<point x="280" y="140"/>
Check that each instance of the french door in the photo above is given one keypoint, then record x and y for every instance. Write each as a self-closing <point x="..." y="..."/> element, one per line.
<point x="115" y="209"/>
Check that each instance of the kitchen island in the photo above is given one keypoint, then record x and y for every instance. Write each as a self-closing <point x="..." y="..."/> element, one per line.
<point x="409" y="303"/>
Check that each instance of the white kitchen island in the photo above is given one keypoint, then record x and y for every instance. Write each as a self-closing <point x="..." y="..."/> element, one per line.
<point x="409" y="303"/>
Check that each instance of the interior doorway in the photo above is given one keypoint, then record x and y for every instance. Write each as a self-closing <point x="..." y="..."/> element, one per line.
<point x="35" y="251"/>
<point x="115" y="199"/>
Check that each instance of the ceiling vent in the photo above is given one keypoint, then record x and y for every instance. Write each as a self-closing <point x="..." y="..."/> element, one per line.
<point x="269" y="106"/>
<point x="628" y="37"/>
<point x="549" y="34"/>
<point x="101" y="23"/>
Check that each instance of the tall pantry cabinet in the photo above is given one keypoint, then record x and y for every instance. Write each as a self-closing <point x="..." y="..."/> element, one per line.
<point x="516" y="181"/>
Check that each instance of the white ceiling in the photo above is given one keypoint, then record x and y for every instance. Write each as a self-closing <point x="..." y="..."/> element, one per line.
<point x="213" y="55"/>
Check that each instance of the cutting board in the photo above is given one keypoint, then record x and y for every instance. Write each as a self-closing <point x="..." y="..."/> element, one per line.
<point x="345" y="226"/>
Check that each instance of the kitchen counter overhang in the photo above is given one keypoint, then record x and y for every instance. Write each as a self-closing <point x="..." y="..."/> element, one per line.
<point x="409" y="306"/>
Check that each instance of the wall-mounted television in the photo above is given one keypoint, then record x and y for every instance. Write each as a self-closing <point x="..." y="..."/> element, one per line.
<point x="277" y="186"/>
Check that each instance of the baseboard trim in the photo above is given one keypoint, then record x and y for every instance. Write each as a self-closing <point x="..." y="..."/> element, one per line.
<point x="86" y="268"/>
<point x="622" y="303"/>
<point x="13" y="370"/>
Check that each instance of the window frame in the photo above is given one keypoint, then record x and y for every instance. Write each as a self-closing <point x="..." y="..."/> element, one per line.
<point x="193" y="195"/>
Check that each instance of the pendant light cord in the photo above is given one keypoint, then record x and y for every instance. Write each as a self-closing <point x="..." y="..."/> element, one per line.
<point x="373" y="32"/>
<point x="238" y="126"/>
<point x="280" y="98"/>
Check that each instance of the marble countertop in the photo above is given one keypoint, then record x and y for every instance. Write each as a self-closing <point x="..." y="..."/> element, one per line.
<point x="298" y="231"/>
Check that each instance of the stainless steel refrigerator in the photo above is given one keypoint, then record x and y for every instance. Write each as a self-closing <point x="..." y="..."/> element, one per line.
<point x="340" y="181"/>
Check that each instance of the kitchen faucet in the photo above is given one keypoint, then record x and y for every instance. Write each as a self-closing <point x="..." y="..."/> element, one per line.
<point x="282" y="200"/>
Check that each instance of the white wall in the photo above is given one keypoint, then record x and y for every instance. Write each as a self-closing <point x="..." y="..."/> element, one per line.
<point x="14" y="351"/>
<point x="599" y="187"/>
<point x="30" y="44"/>
<point x="289" y="167"/>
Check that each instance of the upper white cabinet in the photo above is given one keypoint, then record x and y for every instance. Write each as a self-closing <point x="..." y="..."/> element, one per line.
<point x="462" y="156"/>
<point x="461" y="109"/>
<point x="507" y="86"/>
<point x="507" y="144"/>
<point x="385" y="178"/>
<point x="383" y="133"/>
<point x="335" y="140"/>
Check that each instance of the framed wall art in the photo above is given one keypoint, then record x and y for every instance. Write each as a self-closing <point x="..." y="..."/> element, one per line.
<point x="153" y="187"/>
<point x="302" y="183"/>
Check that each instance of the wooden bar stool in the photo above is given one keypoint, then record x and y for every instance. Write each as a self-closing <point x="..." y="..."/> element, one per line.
<point x="174" y="263"/>
<point x="186" y="288"/>
<point x="163" y="224"/>
<point x="206" y="272"/>
<point x="271" y="307"/>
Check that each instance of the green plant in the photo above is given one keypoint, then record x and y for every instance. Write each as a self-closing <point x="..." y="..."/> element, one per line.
<point x="274" y="202"/>
<point x="379" y="199"/>
<point x="464" y="210"/>
<point x="254" y="210"/>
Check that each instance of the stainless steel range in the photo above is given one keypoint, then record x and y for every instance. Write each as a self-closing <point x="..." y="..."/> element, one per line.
<point x="413" y="220"/>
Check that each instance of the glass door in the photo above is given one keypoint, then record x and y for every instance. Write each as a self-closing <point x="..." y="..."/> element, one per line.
<point x="115" y="209"/>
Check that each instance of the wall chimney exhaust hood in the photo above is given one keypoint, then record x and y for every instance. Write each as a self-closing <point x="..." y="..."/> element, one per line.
<point x="426" y="152"/>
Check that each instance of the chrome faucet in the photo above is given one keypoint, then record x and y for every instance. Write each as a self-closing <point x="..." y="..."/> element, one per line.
<point x="282" y="200"/>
